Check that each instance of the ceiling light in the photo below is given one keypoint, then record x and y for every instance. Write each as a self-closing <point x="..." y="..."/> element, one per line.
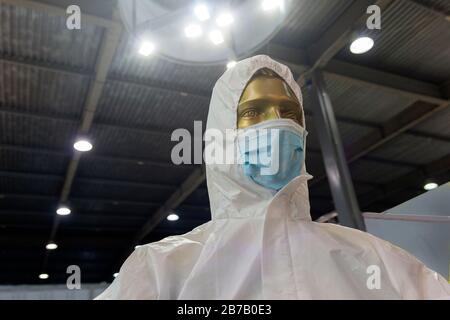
<point x="51" y="246"/>
<point x="231" y="64"/>
<point x="146" y="48"/>
<point x="115" y="275"/>
<point x="216" y="37"/>
<point x="201" y="11"/>
<point x="63" y="211"/>
<point x="224" y="19"/>
<point x="43" y="276"/>
<point x="268" y="5"/>
<point x="430" y="186"/>
<point x="361" y="45"/>
<point x="193" y="31"/>
<point x="82" y="146"/>
<point x="173" y="217"/>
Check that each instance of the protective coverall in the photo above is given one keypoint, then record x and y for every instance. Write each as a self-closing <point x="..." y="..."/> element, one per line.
<point x="262" y="244"/>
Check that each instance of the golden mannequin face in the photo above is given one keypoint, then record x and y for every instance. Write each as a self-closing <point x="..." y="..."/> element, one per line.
<point x="267" y="97"/>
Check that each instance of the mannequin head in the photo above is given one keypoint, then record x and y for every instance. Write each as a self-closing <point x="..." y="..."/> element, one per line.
<point x="267" y="97"/>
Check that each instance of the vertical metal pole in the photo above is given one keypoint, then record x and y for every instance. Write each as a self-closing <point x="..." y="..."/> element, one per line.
<point x="336" y="167"/>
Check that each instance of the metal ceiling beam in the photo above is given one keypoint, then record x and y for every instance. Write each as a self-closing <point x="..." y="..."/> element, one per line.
<point x="125" y="80"/>
<point x="111" y="201"/>
<point x="295" y="58"/>
<point x="385" y="81"/>
<point x="159" y="132"/>
<point x="403" y="121"/>
<point x="341" y="185"/>
<point x="46" y="66"/>
<point x="86" y="242"/>
<point x="97" y="220"/>
<point x="363" y="76"/>
<point x="75" y="121"/>
<point x="107" y="182"/>
<point x="146" y="84"/>
<point x="130" y="161"/>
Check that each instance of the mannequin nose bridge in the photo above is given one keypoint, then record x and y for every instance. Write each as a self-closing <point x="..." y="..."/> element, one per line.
<point x="273" y="112"/>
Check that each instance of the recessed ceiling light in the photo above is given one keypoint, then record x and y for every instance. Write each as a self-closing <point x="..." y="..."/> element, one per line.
<point x="43" y="276"/>
<point x="231" y="64"/>
<point x="173" y="217"/>
<point x="193" y="31"/>
<point x="146" y="48"/>
<point x="201" y="11"/>
<point x="51" y="246"/>
<point x="361" y="45"/>
<point x="216" y="37"/>
<point x="268" y="5"/>
<point x="82" y="145"/>
<point x="63" y="211"/>
<point x="224" y="19"/>
<point x="430" y="186"/>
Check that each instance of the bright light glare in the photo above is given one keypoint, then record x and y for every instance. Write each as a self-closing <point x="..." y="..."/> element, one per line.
<point x="115" y="275"/>
<point x="216" y="37"/>
<point x="51" y="246"/>
<point x="361" y="45"/>
<point x="146" y="48"/>
<point x="224" y="19"/>
<point x="193" y="31"/>
<point x="173" y="217"/>
<point x="136" y="247"/>
<point x="430" y="186"/>
<point x="82" y="145"/>
<point x="63" y="211"/>
<point x="201" y="11"/>
<point x="268" y="5"/>
<point x="43" y="276"/>
<point x="231" y="64"/>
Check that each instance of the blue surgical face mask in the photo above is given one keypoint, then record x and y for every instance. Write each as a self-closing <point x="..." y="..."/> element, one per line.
<point x="272" y="152"/>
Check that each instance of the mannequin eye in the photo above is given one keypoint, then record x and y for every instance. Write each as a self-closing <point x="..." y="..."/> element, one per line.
<point x="249" y="113"/>
<point x="290" y="115"/>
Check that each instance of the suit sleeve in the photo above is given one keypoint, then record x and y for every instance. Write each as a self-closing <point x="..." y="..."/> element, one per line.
<point x="136" y="280"/>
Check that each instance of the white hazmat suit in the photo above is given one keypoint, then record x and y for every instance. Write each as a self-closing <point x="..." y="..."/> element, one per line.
<point x="263" y="245"/>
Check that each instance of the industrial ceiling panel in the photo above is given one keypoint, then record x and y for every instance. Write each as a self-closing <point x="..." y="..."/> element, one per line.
<point x="31" y="90"/>
<point x="38" y="132"/>
<point x="413" y="42"/>
<point x="150" y="107"/>
<point x="308" y="19"/>
<point x="413" y="149"/>
<point x="23" y="161"/>
<point x="376" y="172"/>
<point x="138" y="171"/>
<point x="44" y="38"/>
<point x="362" y="102"/>
<point x="120" y="141"/>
